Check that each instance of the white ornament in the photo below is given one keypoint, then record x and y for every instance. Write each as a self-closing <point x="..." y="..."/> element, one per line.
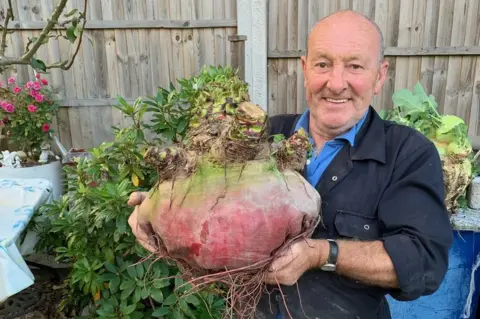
<point x="11" y="160"/>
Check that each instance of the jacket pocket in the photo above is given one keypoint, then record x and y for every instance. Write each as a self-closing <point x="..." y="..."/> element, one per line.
<point x="357" y="226"/>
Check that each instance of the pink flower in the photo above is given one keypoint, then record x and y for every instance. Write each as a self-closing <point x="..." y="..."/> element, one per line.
<point x="1" y="123"/>
<point x="44" y="81"/>
<point x="33" y="93"/>
<point x="45" y="128"/>
<point x="37" y="75"/>
<point x="11" y="80"/>
<point x="39" y="98"/>
<point x="32" y="108"/>
<point x="9" y="108"/>
<point x="37" y="86"/>
<point x="17" y="89"/>
<point x="3" y="104"/>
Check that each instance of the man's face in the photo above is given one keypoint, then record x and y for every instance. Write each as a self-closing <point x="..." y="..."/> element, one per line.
<point x="342" y="72"/>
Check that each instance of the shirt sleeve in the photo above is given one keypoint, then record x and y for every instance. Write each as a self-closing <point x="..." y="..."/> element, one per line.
<point x="417" y="230"/>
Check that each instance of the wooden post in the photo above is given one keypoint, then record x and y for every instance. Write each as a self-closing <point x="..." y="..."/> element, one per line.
<point x="237" y="49"/>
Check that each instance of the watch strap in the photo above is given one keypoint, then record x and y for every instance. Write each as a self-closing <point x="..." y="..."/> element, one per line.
<point x="333" y="254"/>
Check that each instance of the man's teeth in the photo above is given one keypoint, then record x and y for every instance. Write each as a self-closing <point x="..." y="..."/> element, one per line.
<point x="337" y="101"/>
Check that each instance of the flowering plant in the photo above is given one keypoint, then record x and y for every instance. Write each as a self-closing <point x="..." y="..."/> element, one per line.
<point x="26" y="113"/>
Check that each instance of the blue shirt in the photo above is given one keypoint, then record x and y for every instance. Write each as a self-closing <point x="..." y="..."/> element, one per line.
<point x="317" y="163"/>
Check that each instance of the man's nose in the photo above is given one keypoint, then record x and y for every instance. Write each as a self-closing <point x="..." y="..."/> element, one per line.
<point x="336" y="82"/>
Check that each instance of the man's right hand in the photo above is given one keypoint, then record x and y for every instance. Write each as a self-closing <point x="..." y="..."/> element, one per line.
<point x="144" y="233"/>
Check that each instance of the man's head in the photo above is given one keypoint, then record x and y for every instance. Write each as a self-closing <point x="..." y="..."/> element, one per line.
<point x="344" y="69"/>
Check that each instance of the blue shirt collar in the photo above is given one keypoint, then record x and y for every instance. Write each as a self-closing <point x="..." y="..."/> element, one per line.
<point x="349" y="135"/>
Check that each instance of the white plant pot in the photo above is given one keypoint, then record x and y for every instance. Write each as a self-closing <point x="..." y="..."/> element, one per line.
<point x="51" y="172"/>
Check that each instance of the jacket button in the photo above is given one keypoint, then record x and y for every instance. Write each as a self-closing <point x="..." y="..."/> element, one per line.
<point x="366" y="226"/>
<point x="334" y="178"/>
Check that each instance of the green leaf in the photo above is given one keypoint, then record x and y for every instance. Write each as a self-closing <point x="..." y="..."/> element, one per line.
<point x="144" y="293"/>
<point x="38" y="65"/>
<point x="71" y="34"/>
<point x="127" y="283"/>
<point x="137" y="296"/>
<point x="182" y="125"/>
<point x="172" y="299"/>
<point x="160" y="283"/>
<point x="114" y="284"/>
<point x="192" y="299"/>
<point x="157" y="295"/>
<point x="70" y="13"/>
<point x="163" y="311"/>
<point x="126" y="293"/>
<point x="121" y="224"/>
<point x="131" y="271"/>
<point x="129" y="309"/>
<point x="140" y="271"/>
<point x="78" y="30"/>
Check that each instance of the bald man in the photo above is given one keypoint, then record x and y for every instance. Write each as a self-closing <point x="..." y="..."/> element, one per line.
<point x="385" y="226"/>
<point x="386" y="229"/>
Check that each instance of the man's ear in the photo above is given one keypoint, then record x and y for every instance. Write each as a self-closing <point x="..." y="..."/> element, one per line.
<point x="381" y="76"/>
<point x="304" y="68"/>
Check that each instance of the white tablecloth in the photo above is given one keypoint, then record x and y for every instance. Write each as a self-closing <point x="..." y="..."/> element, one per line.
<point x="19" y="199"/>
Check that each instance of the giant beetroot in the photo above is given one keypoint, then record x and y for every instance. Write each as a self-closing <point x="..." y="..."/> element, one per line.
<point x="229" y="197"/>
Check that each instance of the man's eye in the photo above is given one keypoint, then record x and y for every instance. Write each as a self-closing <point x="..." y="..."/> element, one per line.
<point x="322" y="64"/>
<point x="356" y="66"/>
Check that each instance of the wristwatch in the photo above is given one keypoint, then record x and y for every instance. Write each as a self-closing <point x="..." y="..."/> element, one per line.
<point x="331" y="263"/>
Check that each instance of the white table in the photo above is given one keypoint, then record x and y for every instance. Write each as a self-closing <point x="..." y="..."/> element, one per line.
<point x="19" y="199"/>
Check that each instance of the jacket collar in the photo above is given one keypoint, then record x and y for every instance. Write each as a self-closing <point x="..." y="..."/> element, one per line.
<point x="370" y="141"/>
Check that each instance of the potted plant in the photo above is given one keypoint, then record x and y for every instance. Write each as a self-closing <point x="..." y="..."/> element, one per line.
<point x="26" y="113"/>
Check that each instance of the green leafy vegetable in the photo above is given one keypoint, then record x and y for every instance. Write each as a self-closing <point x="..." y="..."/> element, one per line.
<point x="416" y="109"/>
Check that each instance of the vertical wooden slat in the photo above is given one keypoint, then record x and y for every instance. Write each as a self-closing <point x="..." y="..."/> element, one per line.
<point x="404" y="36"/>
<point x="475" y="116"/>
<point x="188" y="58"/>
<point x="282" y="65"/>
<point x="416" y="39"/>
<point x="112" y="65"/>
<point x="302" y="30"/>
<point x="429" y="36"/>
<point x="219" y="34"/>
<point x="455" y="62"/>
<point x="465" y="107"/>
<point x="445" y="19"/>
<point x="273" y="107"/>
<point x="176" y="43"/>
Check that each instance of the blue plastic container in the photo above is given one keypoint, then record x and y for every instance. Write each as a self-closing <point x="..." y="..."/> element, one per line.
<point x="449" y="300"/>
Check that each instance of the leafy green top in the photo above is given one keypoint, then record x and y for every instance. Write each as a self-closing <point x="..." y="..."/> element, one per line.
<point x="418" y="110"/>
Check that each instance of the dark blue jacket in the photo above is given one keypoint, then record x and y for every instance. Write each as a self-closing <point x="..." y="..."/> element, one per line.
<point x="388" y="187"/>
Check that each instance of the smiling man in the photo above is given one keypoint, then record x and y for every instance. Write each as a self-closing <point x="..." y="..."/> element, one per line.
<point x="385" y="226"/>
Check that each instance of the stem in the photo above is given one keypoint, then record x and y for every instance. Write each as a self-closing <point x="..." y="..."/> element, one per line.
<point x="9" y="16"/>
<point x="67" y="66"/>
<point x="46" y="30"/>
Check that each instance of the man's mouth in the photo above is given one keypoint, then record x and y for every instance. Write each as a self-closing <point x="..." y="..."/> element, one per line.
<point x="337" y="101"/>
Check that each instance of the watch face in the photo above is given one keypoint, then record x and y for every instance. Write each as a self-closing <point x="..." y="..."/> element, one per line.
<point x="329" y="267"/>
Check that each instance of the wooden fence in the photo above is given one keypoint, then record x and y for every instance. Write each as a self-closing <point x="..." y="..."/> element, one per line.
<point x="133" y="46"/>
<point x="436" y="42"/>
<point x="130" y="48"/>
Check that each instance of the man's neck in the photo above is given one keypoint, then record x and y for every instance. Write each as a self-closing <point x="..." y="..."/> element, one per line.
<point x="321" y="136"/>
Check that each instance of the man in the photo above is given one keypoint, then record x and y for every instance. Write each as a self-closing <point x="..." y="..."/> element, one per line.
<point x="386" y="229"/>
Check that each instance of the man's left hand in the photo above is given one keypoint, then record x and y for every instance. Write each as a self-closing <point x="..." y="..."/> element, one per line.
<point x="295" y="260"/>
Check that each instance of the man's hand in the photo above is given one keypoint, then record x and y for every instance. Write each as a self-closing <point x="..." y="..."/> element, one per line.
<point x="140" y="232"/>
<point x="295" y="260"/>
<point x="367" y="262"/>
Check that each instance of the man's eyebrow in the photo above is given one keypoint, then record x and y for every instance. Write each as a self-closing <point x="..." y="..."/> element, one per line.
<point x="348" y="58"/>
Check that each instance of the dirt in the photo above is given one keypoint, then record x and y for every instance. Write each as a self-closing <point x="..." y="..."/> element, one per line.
<point x="38" y="301"/>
